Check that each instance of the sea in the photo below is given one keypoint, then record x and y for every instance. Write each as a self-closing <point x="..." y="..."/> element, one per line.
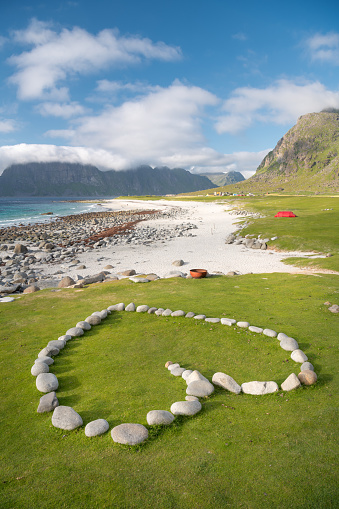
<point x="22" y="211"/>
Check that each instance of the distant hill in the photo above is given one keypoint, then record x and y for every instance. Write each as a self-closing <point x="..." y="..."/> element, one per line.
<point x="306" y="159"/>
<point x="224" y="179"/>
<point x="69" y="179"/>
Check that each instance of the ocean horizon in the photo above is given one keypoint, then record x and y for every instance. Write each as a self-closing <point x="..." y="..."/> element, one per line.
<point x="15" y="211"/>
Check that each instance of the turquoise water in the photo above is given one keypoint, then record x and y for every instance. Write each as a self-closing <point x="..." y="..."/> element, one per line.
<point x="15" y="211"/>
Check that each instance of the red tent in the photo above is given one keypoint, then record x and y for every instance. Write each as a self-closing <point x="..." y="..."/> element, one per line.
<point x="285" y="213"/>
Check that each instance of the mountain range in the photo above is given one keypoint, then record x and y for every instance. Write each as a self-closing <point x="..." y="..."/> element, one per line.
<point x="71" y="179"/>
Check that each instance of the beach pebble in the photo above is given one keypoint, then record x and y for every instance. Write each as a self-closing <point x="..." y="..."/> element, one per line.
<point x="129" y="434"/>
<point x="46" y="382"/>
<point x="48" y="402"/>
<point x="97" y="427"/>
<point x="130" y="272"/>
<point x="289" y="344"/>
<point x="212" y="320"/>
<point x="159" y="311"/>
<point x="65" y="282"/>
<point x="270" y="333"/>
<point x="177" y="371"/>
<point x="195" y="375"/>
<point x="282" y="336"/>
<point x="306" y="365"/>
<point x="83" y="325"/>
<point x="244" y="325"/>
<point x="259" y="388"/>
<point x="252" y="328"/>
<point x="228" y="321"/>
<point x="291" y="382"/>
<point x="307" y="377"/>
<point x="199" y="388"/>
<point x="179" y="312"/>
<point x="226" y="382"/>
<point x="158" y="417"/>
<point x="39" y="367"/>
<point x="173" y="366"/>
<point x="190" y="314"/>
<point x="65" y="417"/>
<point x="65" y="337"/>
<point x="117" y="307"/>
<point x="31" y="289"/>
<point x="199" y="317"/>
<point x="167" y="312"/>
<point x="57" y="343"/>
<point x="142" y="309"/>
<point x="186" y="407"/>
<point x="299" y="356"/>
<point x="93" y="320"/>
<point x="75" y="332"/>
<point x="130" y="307"/>
<point x="103" y="314"/>
<point x="178" y="263"/>
<point x="46" y="360"/>
<point x="152" y="310"/>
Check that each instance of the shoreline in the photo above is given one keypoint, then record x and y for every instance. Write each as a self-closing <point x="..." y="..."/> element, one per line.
<point x="143" y="237"/>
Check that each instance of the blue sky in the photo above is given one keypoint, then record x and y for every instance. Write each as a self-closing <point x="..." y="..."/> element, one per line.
<point x="203" y="85"/>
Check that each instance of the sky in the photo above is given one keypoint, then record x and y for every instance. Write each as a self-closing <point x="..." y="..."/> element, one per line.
<point x="209" y="86"/>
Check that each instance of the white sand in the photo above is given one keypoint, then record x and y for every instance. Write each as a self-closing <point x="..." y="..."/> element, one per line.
<point x="206" y="250"/>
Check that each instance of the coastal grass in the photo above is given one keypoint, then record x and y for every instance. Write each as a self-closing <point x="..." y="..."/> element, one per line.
<point x="242" y="451"/>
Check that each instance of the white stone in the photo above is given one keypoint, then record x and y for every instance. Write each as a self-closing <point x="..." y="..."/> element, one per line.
<point x="75" y="332"/>
<point x="159" y="417"/>
<point x="177" y="371"/>
<point x="226" y="382"/>
<point x="178" y="313"/>
<point x="186" y="407"/>
<point x="173" y="366"/>
<point x="48" y="351"/>
<point x="93" y="320"/>
<point x="212" y="320"/>
<point x="289" y="344"/>
<point x="130" y="307"/>
<point x="291" y="382"/>
<point x="244" y="325"/>
<point x="258" y="330"/>
<point x="46" y="360"/>
<point x="65" y="337"/>
<point x="199" y="388"/>
<point x="142" y="309"/>
<point x="64" y="417"/>
<point x="259" y="388"/>
<point x="129" y="434"/>
<point x="39" y="367"/>
<point x="97" y="427"/>
<point x="228" y="321"/>
<point x="299" y="356"/>
<point x="199" y="317"/>
<point x="306" y="366"/>
<point x="167" y="312"/>
<point x="117" y="307"/>
<point x="195" y="375"/>
<point x="186" y="373"/>
<point x="47" y="382"/>
<point x="282" y="336"/>
<point x="57" y="343"/>
<point x="83" y="325"/>
<point x="270" y="333"/>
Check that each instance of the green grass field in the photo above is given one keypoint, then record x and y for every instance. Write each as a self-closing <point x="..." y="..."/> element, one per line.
<point x="274" y="451"/>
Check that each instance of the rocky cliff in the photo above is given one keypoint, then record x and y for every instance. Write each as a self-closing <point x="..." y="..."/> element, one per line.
<point x="224" y="179"/>
<point x="69" y="179"/>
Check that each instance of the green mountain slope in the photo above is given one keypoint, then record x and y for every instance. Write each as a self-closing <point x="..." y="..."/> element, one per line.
<point x="224" y="179"/>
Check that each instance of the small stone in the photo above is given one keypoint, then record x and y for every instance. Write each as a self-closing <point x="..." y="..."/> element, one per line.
<point x="83" y="325"/>
<point x="173" y="366"/>
<point x="57" y="343"/>
<point x="199" y="317"/>
<point x="20" y="249"/>
<point x="258" y="330"/>
<point x="191" y="398"/>
<point x="65" y="282"/>
<point x="93" y="320"/>
<point x="177" y="371"/>
<point x="212" y="320"/>
<point x="48" y="351"/>
<point x="282" y="336"/>
<point x="159" y="311"/>
<point x="334" y="308"/>
<point x="130" y="307"/>
<point x="195" y="375"/>
<point x="199" y="388"/>
<point x="289" y="344"/>
<point x="190" y="314"/>
<point x="178" y="263"/>
<point x="159" y="417"/>
<point x="291" y="382"/>
<point x="186" y="373"/>
<point x="270" y="333"/>
<point x="244" y="325"/>
<point x="179" y="312"/>
<point x="97" y="427"/>
<point x="117" y="307"/>
<point x="259" y="388"/>
<point x="168" y="363"/>
<point x="167" y="312"/>
<point x="31" y="289"/>
<point x="228" y="321"/>
<point x="130" y="272"/>
<point x="299" y="356"/>
<point x="142" y="309"/>
<point x="75" y="332"/>
<point x="306" y="366"/>
<point x="48" y="402"/>
<point x="129" y="434"/>
<point x="46" y="382"/>
<point x="186" y="407"/>
<point x="152" y="310"/>
<point x="65" y="337"/>
<point x="138" y="279"/>
<point x="107" y="267"/>
<point x="307" y="377"/>
<point x="226" y="382"/>
<point x="46" y="360"/>
<point x="64" y="417"/>
<point x="39" y="367"/>
<point x="103" y="313"/>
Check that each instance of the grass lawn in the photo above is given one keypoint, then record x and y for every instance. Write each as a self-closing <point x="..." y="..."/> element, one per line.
<point x="240" y="451"/>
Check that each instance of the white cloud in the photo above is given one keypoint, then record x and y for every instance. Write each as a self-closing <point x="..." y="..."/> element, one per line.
<point x="324" y="47"/>
<point x="113" y="87"/>
<point x="240" y="36"/>
<point x="64" y="110"/>
<point x="7" y="126"/>
<point x="281" y="103"/>
<point x="57" y="55"/>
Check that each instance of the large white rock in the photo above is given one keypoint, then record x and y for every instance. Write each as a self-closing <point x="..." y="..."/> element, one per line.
<point x="83" y="325"/>
<point x="46" y="360"/>
<point x="244" y="325"/>
<point x="97" y="427"/>
<point x="57" y="343"/>
<point x="38" y="368"/>
<point x="178" y="313"/>
<point x="156" y="417"/>
<point x="186" y="407"/>
<point x="117" y="307"/>
<point x="173" y="366"/>
<point x="299" y="356"/>
<point x="199" y="388"/>
<point x="48" y="351"/>
<point x="75" y="332"/>
<point x="195" y="375"/>
<point x="270" y="333"/>
<point x="47" y="382"/>
<point x="93" y="320"/>
<point x="228" y="321"/>
<point x="129" y="307"/>
<point x="177" y="371"/>
<point x="142" y="309"/>
<point x="226" y="382"/>
<point x="129" y="433"/>
<point x="291" y="382"/>
<point x="289" y="344"/>
<point x="253" y="328"/>
<point x="306" y="366"/>
<point x="186" y="373"/>
<point x="259" y="388"/>
<point x="64" y="417"/>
